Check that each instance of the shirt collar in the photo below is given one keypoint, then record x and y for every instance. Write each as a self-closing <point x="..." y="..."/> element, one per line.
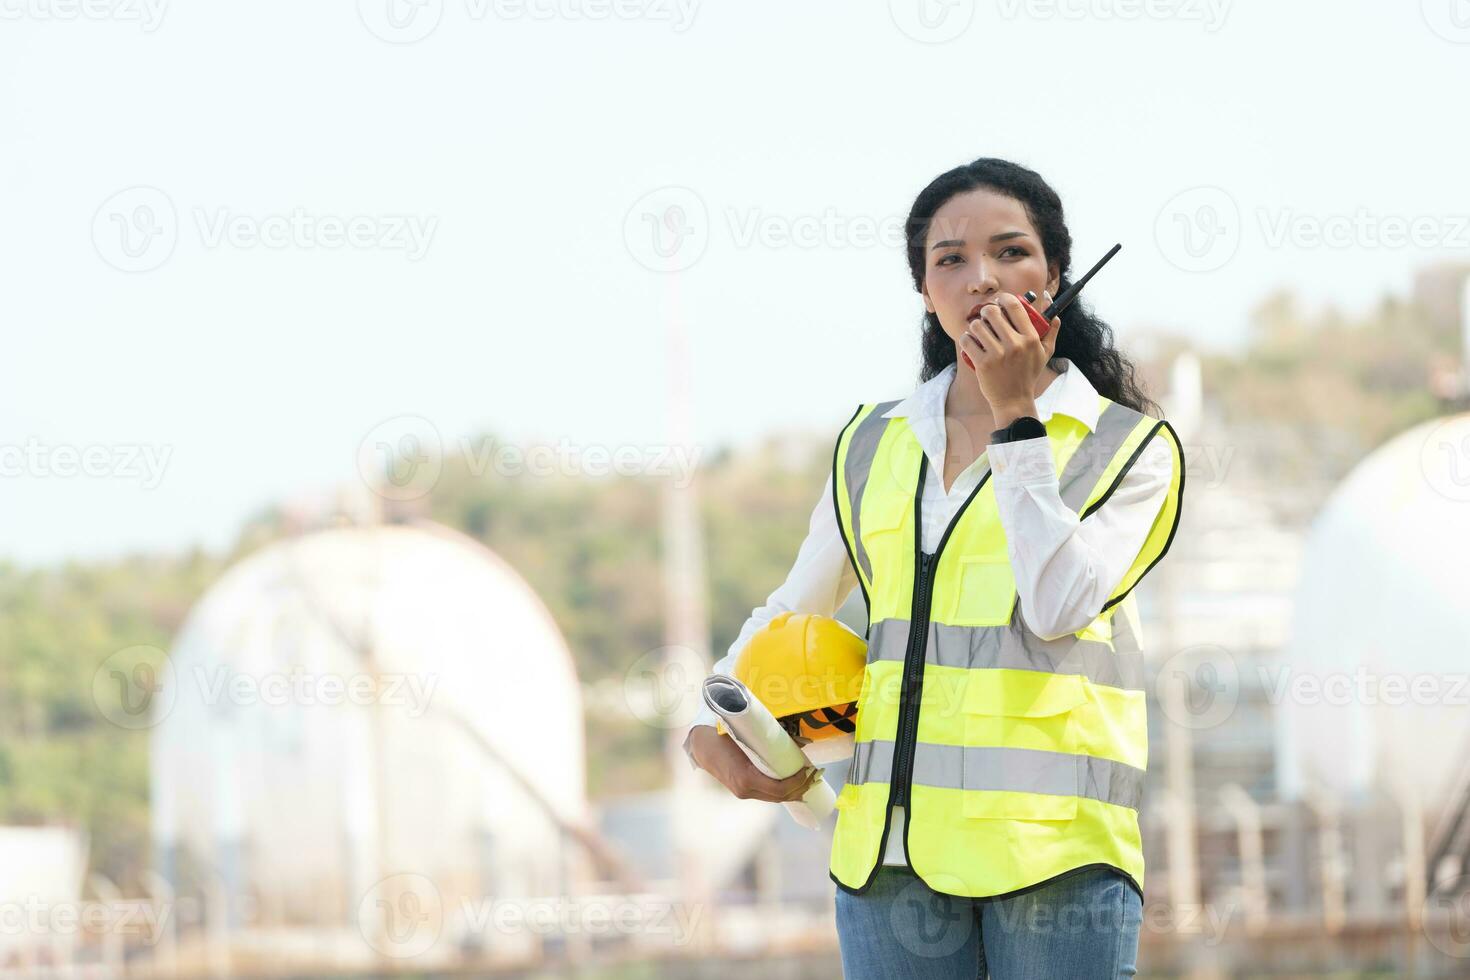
<point x="1070" y="393"/>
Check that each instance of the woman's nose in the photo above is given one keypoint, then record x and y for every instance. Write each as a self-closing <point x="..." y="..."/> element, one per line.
<point x="983" y="282"/>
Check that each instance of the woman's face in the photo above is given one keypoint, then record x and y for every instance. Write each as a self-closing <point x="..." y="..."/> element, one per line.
<point x="980" y="244"/>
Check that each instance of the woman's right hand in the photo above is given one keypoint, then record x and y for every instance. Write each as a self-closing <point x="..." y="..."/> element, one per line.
<point x="719" y="756"/>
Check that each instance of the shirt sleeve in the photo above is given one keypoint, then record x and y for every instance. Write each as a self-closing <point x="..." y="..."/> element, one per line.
<point x="1066" y="568"/>
<point x="820" y="581"/>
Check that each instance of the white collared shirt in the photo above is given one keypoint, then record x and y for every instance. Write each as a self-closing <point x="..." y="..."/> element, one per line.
<point x="1065" y="569"/>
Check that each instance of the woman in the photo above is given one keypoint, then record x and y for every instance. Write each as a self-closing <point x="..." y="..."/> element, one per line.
<point x="997" y="521"/>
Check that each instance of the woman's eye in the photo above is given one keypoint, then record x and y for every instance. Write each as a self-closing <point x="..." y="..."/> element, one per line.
<point x="1020" y="252"/>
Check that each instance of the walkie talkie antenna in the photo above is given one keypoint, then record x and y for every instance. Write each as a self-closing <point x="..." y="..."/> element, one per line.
<point x="1065" y="300"/>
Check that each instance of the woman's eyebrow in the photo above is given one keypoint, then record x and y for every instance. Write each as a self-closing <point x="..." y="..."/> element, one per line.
<point x="1003" y="236"/>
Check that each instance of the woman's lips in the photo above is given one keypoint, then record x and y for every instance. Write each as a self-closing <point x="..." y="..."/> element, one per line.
<point x="975" y="310"/>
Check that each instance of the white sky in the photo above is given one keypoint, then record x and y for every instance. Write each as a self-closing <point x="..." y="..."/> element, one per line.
<point x="523" y="144"/>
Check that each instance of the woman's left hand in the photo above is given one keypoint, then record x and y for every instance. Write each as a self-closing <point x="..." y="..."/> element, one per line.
<point x="1007" y="352"/>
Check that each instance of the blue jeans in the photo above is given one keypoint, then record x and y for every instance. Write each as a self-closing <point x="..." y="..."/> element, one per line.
<point x="1084" y="925"/>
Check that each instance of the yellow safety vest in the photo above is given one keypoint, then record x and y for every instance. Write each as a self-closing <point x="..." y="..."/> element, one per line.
<point x="1018" y="759"/>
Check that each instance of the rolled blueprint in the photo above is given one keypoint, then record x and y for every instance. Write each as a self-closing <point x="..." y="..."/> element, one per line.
<point x="763" y="740"/>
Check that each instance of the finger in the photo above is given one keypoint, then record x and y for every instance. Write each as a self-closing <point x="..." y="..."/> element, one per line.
<point x="1019" y="319"/>
<point x="973" y="323"/>
<point x="792" y="787"/>
<point x="763" y="787"/>
<point x="994" y="319"/>
<point x="810" y="776"/>
<point x="972" y="348"/>
<point x="977" y="332"/>
<point x="796" y="779"/>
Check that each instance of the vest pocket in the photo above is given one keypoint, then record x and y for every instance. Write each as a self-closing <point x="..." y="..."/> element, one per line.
<point x="986" y="591"/>
<point x="1021" y="736"/>
<point x="887" y="547"/>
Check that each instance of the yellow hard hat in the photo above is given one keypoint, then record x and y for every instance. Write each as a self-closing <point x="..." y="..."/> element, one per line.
<point x="808" y="671"/>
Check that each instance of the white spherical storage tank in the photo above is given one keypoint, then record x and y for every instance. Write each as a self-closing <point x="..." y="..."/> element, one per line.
<point x="1375" y="689"/>
<point x="362" y="710"/>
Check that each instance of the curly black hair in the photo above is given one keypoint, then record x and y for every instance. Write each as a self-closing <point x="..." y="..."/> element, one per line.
<point x="1085" y="339"/>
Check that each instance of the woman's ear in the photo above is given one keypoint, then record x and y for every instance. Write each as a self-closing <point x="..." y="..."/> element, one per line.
<point x="928" y="303"/>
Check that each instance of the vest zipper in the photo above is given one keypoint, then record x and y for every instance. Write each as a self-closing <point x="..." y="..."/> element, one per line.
<point x="913" y="678"/>
<point x="913" y="661"/>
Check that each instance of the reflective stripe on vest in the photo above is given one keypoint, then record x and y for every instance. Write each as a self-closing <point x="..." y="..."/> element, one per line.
<point x="1028" y="755"/>
<point x="1016" y="648"/>
<point x="859" y="461"/>
<point x="989" y="767"/>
